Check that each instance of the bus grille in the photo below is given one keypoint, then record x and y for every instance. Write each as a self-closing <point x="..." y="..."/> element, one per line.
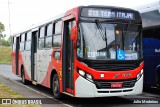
<point x="103" y="65"/>
<point x="112" y="67"/>
<point x="107" y="84"/>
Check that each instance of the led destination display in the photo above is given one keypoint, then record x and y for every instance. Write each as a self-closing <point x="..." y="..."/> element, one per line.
<point x="107" y="13"/>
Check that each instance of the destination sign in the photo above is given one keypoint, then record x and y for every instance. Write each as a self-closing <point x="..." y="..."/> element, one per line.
<point x="107" y="13"/>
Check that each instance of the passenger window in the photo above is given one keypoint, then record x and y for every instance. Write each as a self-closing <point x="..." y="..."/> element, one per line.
<point x="23" y="37"/>
<point x="29" y="35"/>
<point x="49" y="30"/>
<point x="49" y="42"/>
<point x="58" y="27"/>
<point x="28" y="45"/>
<point x="28" y="41"/>
<point x="41" y="38"/>
<point x="13" y="43"/>
<point x="41" y="32"/>
<point x="22" y="46"/>
<point x="41" y="43"/>
<point x="48" y="39"/>
<point x="22" y="42"/>
<point x="14" y="47"/>
<point x="57" y="41"/>
<point x="57" y="34"/>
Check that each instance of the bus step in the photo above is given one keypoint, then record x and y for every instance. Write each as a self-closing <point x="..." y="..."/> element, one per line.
<point x="68" y="94"/>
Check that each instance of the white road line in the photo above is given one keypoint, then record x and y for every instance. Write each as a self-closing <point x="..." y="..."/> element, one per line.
<point x="5" y="68"/>
<point x="38" y="92"/>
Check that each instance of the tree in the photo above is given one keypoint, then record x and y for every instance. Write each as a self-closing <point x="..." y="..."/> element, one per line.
<point x="2" y="28"/>
<point x="5" y="42"/>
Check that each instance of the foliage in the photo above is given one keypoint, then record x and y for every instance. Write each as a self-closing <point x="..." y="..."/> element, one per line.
<point x="2" y="28"/>
<point x="5" y="42"/>
<point x="9" y="39"/>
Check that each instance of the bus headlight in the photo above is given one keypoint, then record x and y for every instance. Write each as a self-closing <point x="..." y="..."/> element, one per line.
<point x="85" y="75"/>
<point x="82" y="73"/>
<point x="89" y="77"/>
<point x="139" y="75"/>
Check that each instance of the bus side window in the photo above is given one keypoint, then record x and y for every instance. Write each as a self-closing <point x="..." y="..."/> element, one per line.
<point x="22" y="40"/>
<point x="28" y="41"/>
<point x="28" y="37"/>
<point x="14" y="44"/>
<point x="57" y="34"/>
<point x="22" y="37"/>
<point x="41" y="38"/>
<point x="48" y="37"/>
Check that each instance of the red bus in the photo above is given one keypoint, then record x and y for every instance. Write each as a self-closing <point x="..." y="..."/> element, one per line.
<point x="89" y="51"/>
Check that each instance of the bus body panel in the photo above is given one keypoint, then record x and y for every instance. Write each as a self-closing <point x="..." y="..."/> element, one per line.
<point x="26" y="58"/>
<point x="109" y="75"/>
<point x="13" y="62"/>
<point x="23" y="64"/>
<point x="85" y="88"/>
<point x="45" y="66"/>
<point x="151" y="54"/>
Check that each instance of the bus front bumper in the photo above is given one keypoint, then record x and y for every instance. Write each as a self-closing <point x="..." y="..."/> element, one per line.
<point x="85" y="88"/>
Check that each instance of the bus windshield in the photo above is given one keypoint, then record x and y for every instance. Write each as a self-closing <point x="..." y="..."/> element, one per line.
<point x="108" y="41"/>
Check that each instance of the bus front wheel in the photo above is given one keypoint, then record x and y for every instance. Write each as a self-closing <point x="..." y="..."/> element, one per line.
<point x="56" y="87"/>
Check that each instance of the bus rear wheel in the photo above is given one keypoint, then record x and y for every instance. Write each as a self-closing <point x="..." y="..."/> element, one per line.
<point x="56" y="87"/>
<point x="24" y="81"/>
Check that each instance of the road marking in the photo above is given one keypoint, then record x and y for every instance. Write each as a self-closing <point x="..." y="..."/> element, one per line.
<point x="38" y="92"/>
<point x="5" y="68"/>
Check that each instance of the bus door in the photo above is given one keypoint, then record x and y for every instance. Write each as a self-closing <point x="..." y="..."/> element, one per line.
<point x="68" y="58"/>
<point x="34" y="55"/>
<point x="17" y="54"/>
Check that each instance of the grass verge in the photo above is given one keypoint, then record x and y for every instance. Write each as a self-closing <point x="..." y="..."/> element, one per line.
<point x="6" y="92"/>
<point x="5" y="55"/>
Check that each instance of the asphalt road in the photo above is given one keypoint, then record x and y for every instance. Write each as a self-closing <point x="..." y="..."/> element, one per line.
<point x="125" y="101"/>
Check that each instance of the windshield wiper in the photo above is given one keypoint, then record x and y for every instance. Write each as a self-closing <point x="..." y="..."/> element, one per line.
<point x="102" y="33"/>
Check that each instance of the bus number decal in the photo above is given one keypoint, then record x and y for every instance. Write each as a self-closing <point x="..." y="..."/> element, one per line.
<point x="93" y="13"/>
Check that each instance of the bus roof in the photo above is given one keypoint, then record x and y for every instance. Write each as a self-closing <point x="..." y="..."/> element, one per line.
<point x="148" y="7"/>
<point x="36" y="26"/>
<point x="150" y="14"/>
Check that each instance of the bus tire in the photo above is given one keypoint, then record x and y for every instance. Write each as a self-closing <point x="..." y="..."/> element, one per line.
<point x="24" y="81"/>
<point x="56" y="87"/>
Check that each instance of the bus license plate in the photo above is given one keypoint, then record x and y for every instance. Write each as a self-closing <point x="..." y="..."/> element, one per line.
<point x="116" y="85"/>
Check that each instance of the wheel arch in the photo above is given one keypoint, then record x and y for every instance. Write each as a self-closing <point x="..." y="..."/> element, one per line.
<point x="158" y="68"/>
<point x="158" y="74"/>
<point x="53" y="72"/>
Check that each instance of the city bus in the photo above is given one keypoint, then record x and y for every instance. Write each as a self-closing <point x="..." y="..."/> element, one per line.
<point x="88" y="51"/>
<point x="150" y="14"/>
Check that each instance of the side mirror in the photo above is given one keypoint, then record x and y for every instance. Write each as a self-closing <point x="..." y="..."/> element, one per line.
<point x="74" y="33"/>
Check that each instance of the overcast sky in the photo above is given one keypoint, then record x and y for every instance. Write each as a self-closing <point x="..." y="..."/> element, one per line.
<point x="24" y="13"/>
